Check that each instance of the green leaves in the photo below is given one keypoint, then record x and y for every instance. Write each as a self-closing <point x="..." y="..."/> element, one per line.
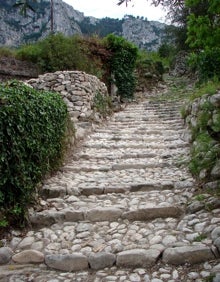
<point x="123" y="64"/>
<point x="32" y="132"/>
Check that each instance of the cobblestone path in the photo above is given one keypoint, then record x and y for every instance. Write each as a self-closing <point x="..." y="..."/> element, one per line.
<point x="119" y="210"/>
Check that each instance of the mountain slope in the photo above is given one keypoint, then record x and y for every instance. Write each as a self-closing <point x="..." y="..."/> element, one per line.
<point x="15" y="29"/>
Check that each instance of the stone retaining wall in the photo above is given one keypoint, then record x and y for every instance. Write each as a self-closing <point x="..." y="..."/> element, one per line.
<point x="203" y="117"/>
<point x="78" y="90"/>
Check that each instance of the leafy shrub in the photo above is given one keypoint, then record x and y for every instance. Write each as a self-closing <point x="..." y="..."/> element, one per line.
<point x="6" y="52"/>
<point x="204" y="154"/>
<point x="102" y="104"/>
<point x="149" y="69"/>
<point x="122" y="64"/>
<point x="206" y="63"/>
<point x="59" y="52"/>
<point x="33" y="130"/>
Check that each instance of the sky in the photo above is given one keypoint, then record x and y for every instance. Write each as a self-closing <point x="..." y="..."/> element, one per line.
<point x="109" y="8"/>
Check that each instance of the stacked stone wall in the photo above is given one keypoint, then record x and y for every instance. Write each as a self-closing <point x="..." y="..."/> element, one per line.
<point x="78" y="90"/>
<point x="203" y="117"/>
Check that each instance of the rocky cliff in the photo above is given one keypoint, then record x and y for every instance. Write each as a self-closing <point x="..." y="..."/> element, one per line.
<point x="16" y="29"/>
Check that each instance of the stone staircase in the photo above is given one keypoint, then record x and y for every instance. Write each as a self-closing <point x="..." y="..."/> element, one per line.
<point x="117" y="210"/>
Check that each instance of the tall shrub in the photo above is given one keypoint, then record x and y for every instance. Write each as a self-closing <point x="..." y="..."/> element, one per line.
<point x="32" y="132"/>
<point x="122" y="64"/>
<point x="60" y="52"/>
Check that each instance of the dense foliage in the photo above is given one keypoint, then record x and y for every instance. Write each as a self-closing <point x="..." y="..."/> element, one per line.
<point x="122" y="64"/>
<point x="59" y="52"/>
<point x="203" y="36"/>
<point x="32" y="139"/>
<point x="150" y="67"/>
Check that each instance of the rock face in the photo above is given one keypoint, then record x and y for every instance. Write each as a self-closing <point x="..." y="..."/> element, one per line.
<point x="142" y="32"/>
<point x="17" y="29"/>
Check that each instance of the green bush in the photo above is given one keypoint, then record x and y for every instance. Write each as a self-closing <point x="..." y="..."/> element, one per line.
<point x="206" y="63"/>
<point x="59" y="52"/>
<point x="6" y="52"/>
<point x="102" y="104"/>
<point x="204" y="154"/>
<point x="32" y="137"/>
<point x="122" y="64"/>
<point x="149" y="69"/>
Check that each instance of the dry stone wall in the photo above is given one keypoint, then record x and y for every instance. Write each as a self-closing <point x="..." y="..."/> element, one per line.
<point x="78" y="90"/>
<point x="203" y="118"/>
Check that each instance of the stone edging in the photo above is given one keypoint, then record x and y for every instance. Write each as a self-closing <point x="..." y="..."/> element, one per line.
<point x="178" y="255"/>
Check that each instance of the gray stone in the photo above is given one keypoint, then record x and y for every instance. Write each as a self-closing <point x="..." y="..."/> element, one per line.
<point x="187" y="254"/>
<point x="215" y="233"/>
<point x="137" y="258"/>
<point x="92" y="191"/>
<point x="217" y="278"/>
<point x="215" y="172"/>
<point x="82" y="227"/>
<point x="134" y="277"/>
<point x="5" y="255"/>
<point x="14" y="242"/>
<point x="195" y="207"/>
<point x="215" y="100"/>
<point x="216" y="268"/>
<point x="128" y="166"/>
<point x="28" y="256"/>
<point x="26" y="243"/>
<point x="103" y="214"/>
<point x="193" y="275"/>
<point x="43" y="219"/>
<point x="73" y="215"/>
<point x="151" y="213"/>
<point x="38" y="246"/>
<point x="101" y="260"/>
<point x="73" y="262"/>
<point x="169" y="240"/>
<point x="217" y="244"/>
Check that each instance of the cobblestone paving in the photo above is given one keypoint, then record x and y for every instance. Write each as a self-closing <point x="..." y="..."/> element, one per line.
<point x="122" y="209"/>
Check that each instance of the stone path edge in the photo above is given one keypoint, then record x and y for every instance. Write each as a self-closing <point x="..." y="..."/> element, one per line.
<point x="177" y="255"/>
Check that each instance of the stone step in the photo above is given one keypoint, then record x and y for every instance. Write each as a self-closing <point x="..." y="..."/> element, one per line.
<point x="132" y="243"/>
<point x="109" y="165"/>
<point x="97" y="214"/>
<point x="141" y="130"/>
<point x="91" y="183"/>
<point x="132" y="145"/>
<point x="147" y="121"/>
<point x="142" y="138"/>
<point x="126" y="153"/>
